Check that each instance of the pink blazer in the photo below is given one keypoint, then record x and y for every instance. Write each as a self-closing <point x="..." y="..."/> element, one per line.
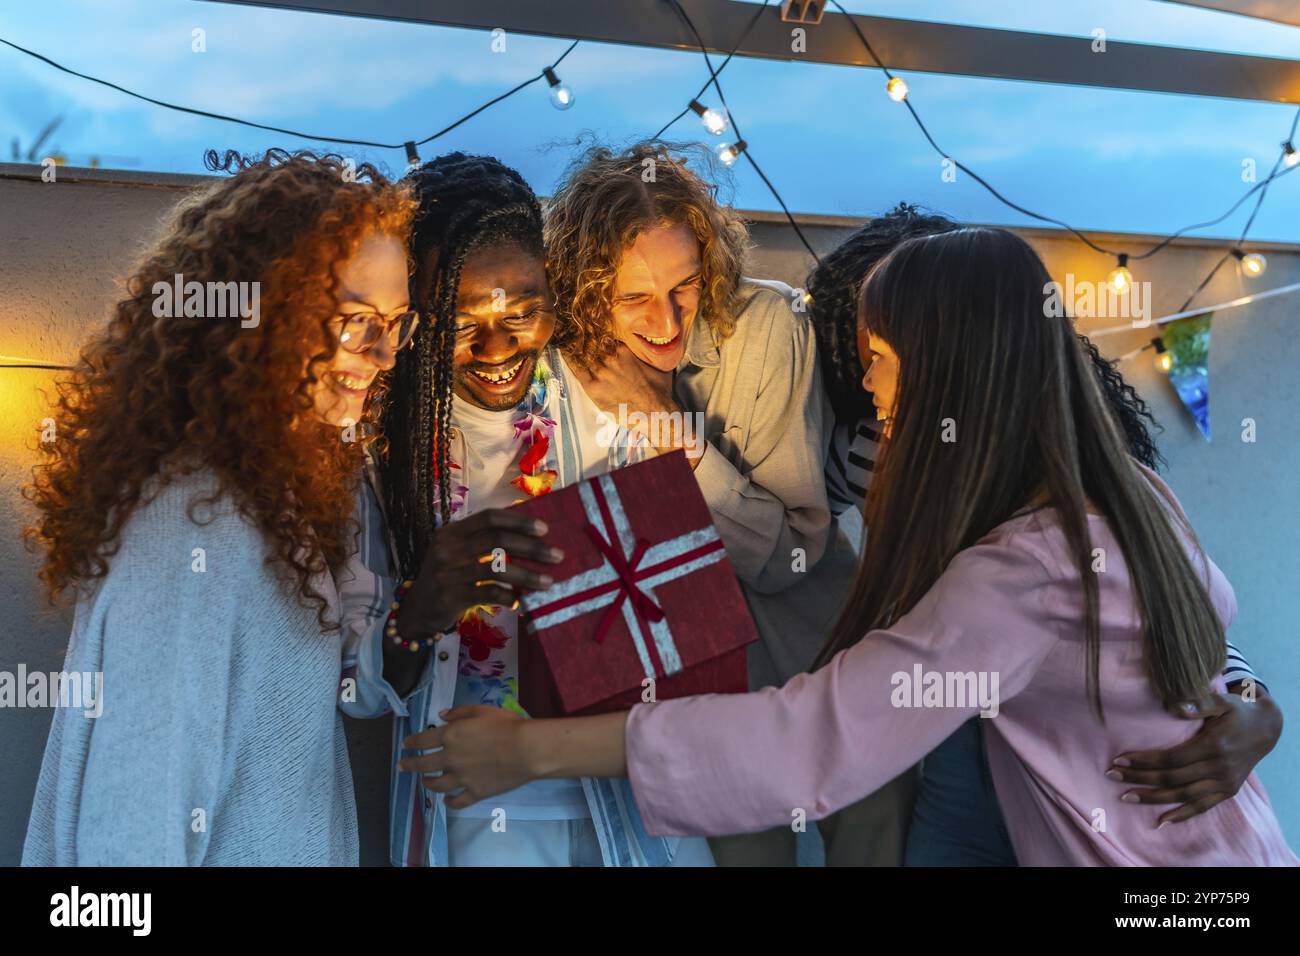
<point x="1008" y="612"/>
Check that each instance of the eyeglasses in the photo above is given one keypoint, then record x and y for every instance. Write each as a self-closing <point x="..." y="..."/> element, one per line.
<point x="359" y="331"/>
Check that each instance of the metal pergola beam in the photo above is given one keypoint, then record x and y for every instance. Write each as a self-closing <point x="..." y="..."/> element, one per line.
<point x="1279" y="11"/>
<point x="903" y="45"/>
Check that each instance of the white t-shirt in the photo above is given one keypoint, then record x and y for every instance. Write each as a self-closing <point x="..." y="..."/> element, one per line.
<point x="489" y="659"/>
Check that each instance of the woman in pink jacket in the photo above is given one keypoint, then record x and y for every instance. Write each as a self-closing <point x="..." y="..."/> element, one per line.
<point x="1020" y="566"/>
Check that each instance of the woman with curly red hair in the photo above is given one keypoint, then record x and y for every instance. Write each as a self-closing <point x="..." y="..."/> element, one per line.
<point x="195" y="501"/>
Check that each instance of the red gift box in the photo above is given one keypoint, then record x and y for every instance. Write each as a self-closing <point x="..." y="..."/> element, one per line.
<point x="645" y="591"/>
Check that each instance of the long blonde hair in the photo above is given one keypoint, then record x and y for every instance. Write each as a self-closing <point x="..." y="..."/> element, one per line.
<point x="606" y="201"/>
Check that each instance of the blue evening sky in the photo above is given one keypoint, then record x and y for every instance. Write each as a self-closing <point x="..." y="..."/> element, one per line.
<point x="827" y="136"/>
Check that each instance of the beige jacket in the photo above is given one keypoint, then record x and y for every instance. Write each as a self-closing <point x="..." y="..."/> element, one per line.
<point x="767" y="422"/>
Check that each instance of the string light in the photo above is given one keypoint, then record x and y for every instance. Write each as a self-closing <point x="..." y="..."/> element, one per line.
<point x="715" y="121"/>
<point x="1279" y="164"/>
<point x="729" y="152"/>
<point x="713" y="74"/>
<point x="728" y="156"/>
<point x="1252" y="263"/>
<point x="562" y="97"/>
<point x="548" y="72"/>
<point x="1121" y="280"/>
<point x="560" y="94"/>
<point x="1164" y="361"/>
<point x="897" y="89"/>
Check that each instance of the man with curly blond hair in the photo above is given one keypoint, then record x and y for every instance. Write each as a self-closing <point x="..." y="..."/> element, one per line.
<point x="661" y="326"/>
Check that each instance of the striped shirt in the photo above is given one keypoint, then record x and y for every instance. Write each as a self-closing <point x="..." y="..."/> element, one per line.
<point x="850" y="463"/>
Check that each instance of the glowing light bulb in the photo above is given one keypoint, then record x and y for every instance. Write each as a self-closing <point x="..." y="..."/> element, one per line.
<point x="729" y="153"/>
<point x="897" y="89"/>
<point x="561" y="96"/>
<point x="1120" y="279"/>
<point x="1289" y="154"/>
<point x="1164" y="361"/>
<point x="715" y="121"/>
<point x="1253" y="264"/>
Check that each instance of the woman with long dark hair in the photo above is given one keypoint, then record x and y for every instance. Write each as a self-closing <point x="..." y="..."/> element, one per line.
<point x="956" y="820"/>
<point x="1021" y="565"/>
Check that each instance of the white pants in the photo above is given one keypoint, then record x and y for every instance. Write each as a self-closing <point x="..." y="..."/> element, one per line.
<point x="471" y="841"/>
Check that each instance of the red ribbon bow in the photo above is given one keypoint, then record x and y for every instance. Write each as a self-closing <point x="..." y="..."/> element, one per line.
<point x="644" y="607"/>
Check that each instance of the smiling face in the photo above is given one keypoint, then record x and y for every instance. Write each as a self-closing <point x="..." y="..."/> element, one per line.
<point x="373" y="280"/>
<point x="881" y="378"/>
<point x="504" y="318"/>
<point x="657" y="294"/>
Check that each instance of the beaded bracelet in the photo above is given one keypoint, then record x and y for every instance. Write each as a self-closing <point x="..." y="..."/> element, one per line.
<point x="390" y="628"/>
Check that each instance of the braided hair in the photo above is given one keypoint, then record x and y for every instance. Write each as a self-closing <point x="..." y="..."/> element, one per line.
<point x="465" y="203"/>
<point x="834" y="287"/>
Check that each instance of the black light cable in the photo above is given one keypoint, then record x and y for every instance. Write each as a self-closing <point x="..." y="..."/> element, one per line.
<point x="741" y="147"/>
<point x="1029" y="212"/>
<point x="407" y="145"/>
<point x="722" y="66"/>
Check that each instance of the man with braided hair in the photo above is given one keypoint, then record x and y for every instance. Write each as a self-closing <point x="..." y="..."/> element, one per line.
<point x="478" y="413"/>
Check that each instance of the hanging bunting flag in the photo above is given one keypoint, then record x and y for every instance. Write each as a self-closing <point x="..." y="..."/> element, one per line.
<point x="1187" y="344"/>
<point x="1183" y="349"/>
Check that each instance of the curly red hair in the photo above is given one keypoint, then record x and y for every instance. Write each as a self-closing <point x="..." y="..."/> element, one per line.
<point x="153" y="398"/>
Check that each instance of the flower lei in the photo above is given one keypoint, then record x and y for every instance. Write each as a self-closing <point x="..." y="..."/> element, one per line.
<point x="534" y="430"/>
